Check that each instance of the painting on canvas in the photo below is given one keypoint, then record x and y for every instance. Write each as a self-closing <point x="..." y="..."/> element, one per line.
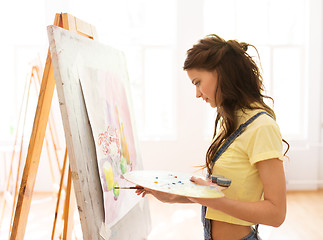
<point x="108" y="108"/>
<point x="93" y="92"/>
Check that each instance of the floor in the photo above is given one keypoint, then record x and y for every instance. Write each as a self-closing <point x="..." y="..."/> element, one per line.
<point x="303" y="221"/>
<point x="182" y="221"/>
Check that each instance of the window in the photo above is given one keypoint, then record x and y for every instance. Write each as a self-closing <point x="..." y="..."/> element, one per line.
<point x="277" y="29"/>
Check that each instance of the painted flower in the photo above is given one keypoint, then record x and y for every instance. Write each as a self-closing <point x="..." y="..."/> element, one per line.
<point x="109" y="141"/>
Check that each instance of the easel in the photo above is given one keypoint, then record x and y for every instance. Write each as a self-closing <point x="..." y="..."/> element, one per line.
<point x="71" y="23"/>
<point x="34" y="79"/>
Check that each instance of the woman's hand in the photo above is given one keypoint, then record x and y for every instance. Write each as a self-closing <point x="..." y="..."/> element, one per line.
<point x="162" y="196"/>
<point x="206" y="182"/>
<point x="141" y="190"/>
<point x="201" y="181"/>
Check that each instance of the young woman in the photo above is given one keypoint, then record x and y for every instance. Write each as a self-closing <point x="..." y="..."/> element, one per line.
<point x="246" y="146"/>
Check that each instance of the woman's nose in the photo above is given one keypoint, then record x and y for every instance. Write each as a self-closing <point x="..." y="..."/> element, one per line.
<point x="198" y="93"/>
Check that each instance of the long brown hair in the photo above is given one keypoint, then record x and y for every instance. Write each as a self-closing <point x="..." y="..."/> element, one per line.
<point x="239" y="83"/>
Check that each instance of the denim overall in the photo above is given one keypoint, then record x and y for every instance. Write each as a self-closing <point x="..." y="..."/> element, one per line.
<point x="207" y="222"/>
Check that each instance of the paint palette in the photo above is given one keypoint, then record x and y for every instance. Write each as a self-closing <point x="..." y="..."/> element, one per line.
<point x="172" y="182"/>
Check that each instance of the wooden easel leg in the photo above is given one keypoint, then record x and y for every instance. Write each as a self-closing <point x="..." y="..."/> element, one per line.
<point x="27" y="86"/>
<point x="16" y="185"/>
<point x="71" y="210"/>
<point x="50" y="162"/>
<point x="34" y="151"/>
<point x="51" y="122"/>
<point x="67" y="211"/>
<point x="20" y="153"/>
<point x="37" y="82"/>
<point x="59" y="195"/>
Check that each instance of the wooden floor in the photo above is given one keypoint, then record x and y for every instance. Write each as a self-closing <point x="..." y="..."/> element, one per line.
<point x="182" y="221"/>
<point x="304" y="217"/>
<point x="304" y="220"/>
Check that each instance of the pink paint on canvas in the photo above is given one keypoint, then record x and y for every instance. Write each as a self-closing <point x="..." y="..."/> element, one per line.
<point x="109" y="114"/>
<point x="116" y="146"/>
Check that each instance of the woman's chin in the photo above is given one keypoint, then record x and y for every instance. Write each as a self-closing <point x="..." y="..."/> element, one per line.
<point x="212" y="105"/>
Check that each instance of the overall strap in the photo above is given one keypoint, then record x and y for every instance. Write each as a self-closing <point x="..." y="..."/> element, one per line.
<point x="236" y="134"/>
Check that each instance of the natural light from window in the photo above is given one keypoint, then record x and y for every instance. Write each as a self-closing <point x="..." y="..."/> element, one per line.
<point x="281" y="46"/>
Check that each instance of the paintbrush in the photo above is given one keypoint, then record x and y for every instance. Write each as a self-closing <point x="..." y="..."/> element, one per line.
<point x="128" y="188"/>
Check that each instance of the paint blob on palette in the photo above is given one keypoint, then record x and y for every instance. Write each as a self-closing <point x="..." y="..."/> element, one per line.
<point x="178" y="183"/>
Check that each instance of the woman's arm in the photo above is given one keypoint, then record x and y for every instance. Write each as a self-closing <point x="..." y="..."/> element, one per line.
<point x="271" y="211"/>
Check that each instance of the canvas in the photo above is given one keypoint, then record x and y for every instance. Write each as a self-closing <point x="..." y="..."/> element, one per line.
<point x="93" y="91"/>
<point x="108" y="110"/>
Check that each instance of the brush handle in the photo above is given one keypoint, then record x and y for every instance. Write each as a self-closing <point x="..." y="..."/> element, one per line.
<point x="128" y="188"/>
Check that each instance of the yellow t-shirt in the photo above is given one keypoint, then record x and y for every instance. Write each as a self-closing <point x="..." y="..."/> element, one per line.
<point x="261" y="140"/>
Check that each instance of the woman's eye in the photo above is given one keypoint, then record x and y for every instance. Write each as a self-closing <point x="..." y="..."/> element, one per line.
<point x="197" y="83"/>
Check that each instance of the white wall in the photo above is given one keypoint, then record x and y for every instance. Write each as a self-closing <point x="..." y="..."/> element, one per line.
<point x="190" y="147"/>
<point x="305" y="168"/>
